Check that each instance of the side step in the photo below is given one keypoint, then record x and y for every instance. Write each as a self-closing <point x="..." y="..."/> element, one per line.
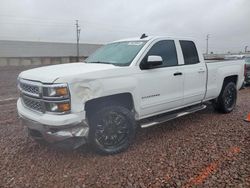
<point x="169" y="116"/>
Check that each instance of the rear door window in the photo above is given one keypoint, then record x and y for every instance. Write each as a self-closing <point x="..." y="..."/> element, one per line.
<point x="189" y="52"/>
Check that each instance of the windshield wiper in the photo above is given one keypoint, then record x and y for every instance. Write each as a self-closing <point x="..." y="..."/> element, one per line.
<point x="102" y="62"/>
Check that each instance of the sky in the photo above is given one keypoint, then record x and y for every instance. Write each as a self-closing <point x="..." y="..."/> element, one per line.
<point x="226" y="21"/>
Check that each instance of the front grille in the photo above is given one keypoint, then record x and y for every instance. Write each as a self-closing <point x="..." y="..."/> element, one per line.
<point x="30" y="89"/>
<point x="33" y="98"/>
<point x="33" y="104"/>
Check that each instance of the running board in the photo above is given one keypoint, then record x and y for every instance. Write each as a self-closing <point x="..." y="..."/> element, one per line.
<point x="164" y="118"/>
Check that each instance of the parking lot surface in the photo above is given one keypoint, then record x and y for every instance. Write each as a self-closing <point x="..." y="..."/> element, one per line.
<point x="205" y="149"/>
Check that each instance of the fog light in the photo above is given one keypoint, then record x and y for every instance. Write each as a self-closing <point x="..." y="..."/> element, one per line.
<point x="63" y="107"/>
<point x="58" y="107"/>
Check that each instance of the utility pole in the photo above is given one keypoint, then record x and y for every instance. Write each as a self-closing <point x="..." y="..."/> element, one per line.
<point x="78" y="30"/>
<point x="207" y="43"/>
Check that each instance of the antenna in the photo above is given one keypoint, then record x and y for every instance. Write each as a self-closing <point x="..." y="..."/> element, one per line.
<point x="143" y="36"/>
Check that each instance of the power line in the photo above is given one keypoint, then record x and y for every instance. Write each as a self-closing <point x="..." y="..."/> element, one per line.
<point x="91" y="25"/>
<point x="36" y="19"/>
<point x="66" y="25"/>
<point x="62" y="22"/>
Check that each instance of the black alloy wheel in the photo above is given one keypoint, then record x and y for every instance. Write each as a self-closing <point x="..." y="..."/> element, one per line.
<point x="112" y="129"/>
<point x="226" y="101"/>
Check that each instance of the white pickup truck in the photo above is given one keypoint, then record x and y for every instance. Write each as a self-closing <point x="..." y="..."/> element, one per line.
<point x="127" y="83"/>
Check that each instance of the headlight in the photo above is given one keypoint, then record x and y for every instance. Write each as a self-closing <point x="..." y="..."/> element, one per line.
<point x="60" y="107"/>
<point x="59" y="97"/>
<point x="59" y="91"/>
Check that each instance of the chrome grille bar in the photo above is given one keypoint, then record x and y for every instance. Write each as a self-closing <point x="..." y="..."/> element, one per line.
<point x="33" y="104"/>
<point x="30" y="88"/>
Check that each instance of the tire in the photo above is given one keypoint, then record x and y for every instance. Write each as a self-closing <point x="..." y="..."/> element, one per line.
<point x="226" y="101"/>
<point x="112" y="129"/>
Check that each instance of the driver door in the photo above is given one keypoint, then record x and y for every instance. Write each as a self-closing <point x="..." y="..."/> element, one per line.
<point x="160" y="87"/>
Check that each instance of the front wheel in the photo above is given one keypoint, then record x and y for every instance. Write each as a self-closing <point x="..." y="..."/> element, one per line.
<point x="226" y="101"/>
<point x="112" y="129"/>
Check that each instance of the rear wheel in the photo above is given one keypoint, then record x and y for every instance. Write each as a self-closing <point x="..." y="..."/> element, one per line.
<point x="112" y="129"/>
<point x="226" y="101"/>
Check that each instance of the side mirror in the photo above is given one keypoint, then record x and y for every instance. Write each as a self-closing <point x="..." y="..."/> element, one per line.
<point x="155" y="60"/>
<point x="152" y="61"/>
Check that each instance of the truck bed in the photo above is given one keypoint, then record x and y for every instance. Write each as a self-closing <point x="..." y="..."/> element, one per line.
<point x="219" y="61"/>
<point x="218" y="70"/>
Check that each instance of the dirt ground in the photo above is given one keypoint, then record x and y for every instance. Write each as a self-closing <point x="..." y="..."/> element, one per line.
<point x="205" y="149"/>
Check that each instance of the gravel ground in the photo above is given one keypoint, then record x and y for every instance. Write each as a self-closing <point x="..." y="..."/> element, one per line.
<point x="205" y="149"/>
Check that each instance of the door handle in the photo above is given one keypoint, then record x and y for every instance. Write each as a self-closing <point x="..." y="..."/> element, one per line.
<point x="177" y="73"/>
<point x="201" y="71"/>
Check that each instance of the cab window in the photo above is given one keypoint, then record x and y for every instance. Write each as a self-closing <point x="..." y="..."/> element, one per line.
<point x="167" y="50"/>
<point x="189" y="52"/>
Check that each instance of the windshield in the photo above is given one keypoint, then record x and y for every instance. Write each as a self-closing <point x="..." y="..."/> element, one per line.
<point x="247" y="60"/>
<point x="119" y="53"/>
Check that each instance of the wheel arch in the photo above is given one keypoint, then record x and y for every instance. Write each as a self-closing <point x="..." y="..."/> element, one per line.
<point x="233" y="78"/>
<point x="123" y="99"/>
<point x="227" y="79"/>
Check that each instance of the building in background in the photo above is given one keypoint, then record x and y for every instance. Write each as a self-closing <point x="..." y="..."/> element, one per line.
<point x="41" y="53"/>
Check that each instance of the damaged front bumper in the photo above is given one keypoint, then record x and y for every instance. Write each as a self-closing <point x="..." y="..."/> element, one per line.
<point x="55" y="129"/>
<point x="53" y="134"/>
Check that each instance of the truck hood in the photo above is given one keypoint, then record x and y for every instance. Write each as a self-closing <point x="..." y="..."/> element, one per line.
<point x="51" y="73"/>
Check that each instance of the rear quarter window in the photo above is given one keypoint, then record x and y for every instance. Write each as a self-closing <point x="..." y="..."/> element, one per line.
<point x="189" y="52"/>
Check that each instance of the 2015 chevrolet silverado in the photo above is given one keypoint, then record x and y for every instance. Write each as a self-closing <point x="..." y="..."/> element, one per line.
<point x="127" y="83"/>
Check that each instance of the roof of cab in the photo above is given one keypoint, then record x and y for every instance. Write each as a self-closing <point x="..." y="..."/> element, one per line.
<point x="135" y="39"/>
<point x="148" y="38"/>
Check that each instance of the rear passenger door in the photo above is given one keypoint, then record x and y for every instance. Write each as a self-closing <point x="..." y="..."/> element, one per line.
<point x="194" y="72"/>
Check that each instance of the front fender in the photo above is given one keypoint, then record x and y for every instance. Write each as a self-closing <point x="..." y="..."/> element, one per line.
<point x="86" y="90"/>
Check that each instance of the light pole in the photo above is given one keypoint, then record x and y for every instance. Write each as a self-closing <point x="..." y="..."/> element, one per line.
<point x="78" y="30"/>
<point x="207" y="43"/>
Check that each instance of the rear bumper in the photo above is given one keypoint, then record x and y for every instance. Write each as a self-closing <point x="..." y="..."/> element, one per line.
<point x="54" y="128"/>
